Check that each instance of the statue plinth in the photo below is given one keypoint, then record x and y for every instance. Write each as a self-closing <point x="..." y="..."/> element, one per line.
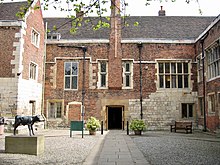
<point x="32" y="145"/>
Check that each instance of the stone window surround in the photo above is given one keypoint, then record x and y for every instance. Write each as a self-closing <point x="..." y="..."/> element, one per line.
<point x="48" y="108"/>
<point x="130" y="61"/>
<point x="99" y="74"/>
<point x="187" y="118"/>
<point x="211" y="104"/>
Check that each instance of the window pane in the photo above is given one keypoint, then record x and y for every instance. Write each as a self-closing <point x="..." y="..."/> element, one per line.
<point x="74" y="82"/>
<point x="190" y="110"/>
<point x="173" y="67"/>
<point x="161" y="82"/>
<point x="180" y="81"/>
<point x="185" y="67"/>
<point x="201" y="106"/>
<point x="179" y="67"/>
<point x="127" y="80"/>
<point x="67" y="82"/>
<point x="74" y="69"/>
<point x="67" y="68"/>
<point x="103" y="80"/>
<point x="52" y="110"/>
<point x="167" y="80"/>
<point x="186" y="81"/>
<point x="127" y="67"/>
<point x="103" y="67"/>
<point x="59" y="107"/>
<point x="173" y="81"/>
<point x="167" y="67"/>
<point x="184" y="110"/>
<point x="160" y="67"/>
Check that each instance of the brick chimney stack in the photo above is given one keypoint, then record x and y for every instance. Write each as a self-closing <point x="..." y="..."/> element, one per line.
<point x="115" y="52"/>
<point x="161" y="12"/>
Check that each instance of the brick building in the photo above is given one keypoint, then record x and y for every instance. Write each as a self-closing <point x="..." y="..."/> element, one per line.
<point x="153" y="71"/>
<point x="21" y="59"/>
<point x="147" y="71"/>
<point x="208" y="69"/>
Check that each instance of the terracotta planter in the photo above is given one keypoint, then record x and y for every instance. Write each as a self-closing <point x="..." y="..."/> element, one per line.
<point x="92" y="132"/>
<point x="137" y="132"/>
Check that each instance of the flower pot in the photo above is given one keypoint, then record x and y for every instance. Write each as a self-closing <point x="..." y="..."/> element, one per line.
<point x="92" y="132"/>
<point x="137" y="132"/>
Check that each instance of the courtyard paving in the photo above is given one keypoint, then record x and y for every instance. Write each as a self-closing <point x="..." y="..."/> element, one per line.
<point x="115" y="147"/>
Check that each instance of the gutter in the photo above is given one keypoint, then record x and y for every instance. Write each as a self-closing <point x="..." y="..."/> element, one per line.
<point x="124" y="41"/>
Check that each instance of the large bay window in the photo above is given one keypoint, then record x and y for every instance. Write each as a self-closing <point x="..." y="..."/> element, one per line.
<point x="173" y="74"/>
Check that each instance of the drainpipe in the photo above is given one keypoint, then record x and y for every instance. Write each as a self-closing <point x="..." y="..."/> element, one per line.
<point x="139" y="45"/>
<point x="203" y="80"/>
<point x="83" y="86"/>
<point x="84" y="49"/>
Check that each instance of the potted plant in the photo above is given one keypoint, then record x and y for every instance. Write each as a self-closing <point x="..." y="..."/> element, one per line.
<point x="92" y="125"/>
<point x="137" y="126"/>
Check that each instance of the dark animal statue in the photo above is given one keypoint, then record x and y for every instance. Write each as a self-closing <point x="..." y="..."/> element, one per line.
<point x="26" y="120"/>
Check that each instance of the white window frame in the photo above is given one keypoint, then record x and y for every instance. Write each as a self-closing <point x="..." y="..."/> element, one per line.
<point x="53" y="36"/>
<point x="71" y="76"/>
<point x="33" y="71"/>
<point x="169" y="76"/>
<point x="213" y="60"/>
<point x="127" y="73"/>
<point x="35" y="37"/>
<point x="100" y="74"/>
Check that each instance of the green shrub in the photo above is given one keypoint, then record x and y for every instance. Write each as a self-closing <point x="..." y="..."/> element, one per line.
<point x="137" y="124"/>
<point x="92" y="124"/>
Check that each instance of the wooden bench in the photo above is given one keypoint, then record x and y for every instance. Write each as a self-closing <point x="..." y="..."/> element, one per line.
<point x="75" y="126"/>
<point x="181" y="125"/>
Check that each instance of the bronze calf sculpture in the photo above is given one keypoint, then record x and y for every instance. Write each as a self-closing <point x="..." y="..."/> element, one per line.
<point x="26" y="120"/>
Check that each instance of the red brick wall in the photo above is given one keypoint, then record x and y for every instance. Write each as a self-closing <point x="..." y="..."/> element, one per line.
<point x="212" y="86"/>
<point x="31" y="52"/>
<point x="7" y="37"/>
<point x="74" y="112"/>
<point x="93" y="97"/>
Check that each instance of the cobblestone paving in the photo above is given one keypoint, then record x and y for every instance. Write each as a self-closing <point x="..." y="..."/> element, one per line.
<point x="164" y="148"/>
<point x="60" y="149"/>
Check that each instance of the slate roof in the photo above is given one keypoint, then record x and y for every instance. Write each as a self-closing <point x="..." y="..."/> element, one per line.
<point x="150" y="27"/>
<point x="8" y="10"/>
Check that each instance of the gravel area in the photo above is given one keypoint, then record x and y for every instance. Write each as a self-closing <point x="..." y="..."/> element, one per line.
<point x="60" y="149"/>
<point x="179" y="148"/>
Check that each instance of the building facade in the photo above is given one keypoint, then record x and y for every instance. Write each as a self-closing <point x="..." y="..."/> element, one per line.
<point x="149" y="71"/>
<point x="164" y="69"/>
<point x="22" y="53"/>
<point x="208" y="68"/>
